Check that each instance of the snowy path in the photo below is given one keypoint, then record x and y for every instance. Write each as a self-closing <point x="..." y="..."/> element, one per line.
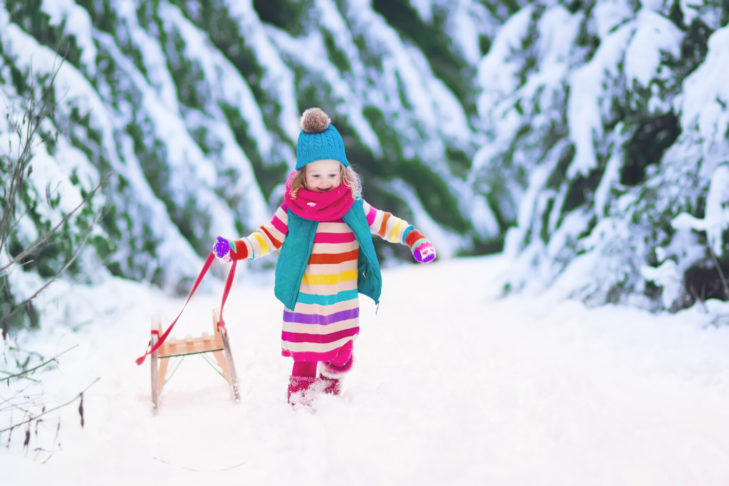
<point x="451" y="386"/>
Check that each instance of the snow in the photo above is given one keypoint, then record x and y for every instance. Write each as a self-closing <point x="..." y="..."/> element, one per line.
<point x="424" y="9"/>
<point x="709" y="13"/>
<point x="702" y="104"/>
<point x="78" y="21"/>
<point x="277" y="78"/>
<point x="716" y="220"/>
<point x="451" y="385"/>
<point x="610" y="179"/>
<point x="586" y="92"/>
<point x="154" y="62"/>
<point x="406" y="74"/>
<point x="609" y="14"/>
<point x="558" y="30"/>
<point x="668" y="277"/>
<point x="497" y="75"/>
<point x="639" y="44"/>
<point x="311" y="52"/>
<point x="655" y="36"/>
<point x="466" y="20"/>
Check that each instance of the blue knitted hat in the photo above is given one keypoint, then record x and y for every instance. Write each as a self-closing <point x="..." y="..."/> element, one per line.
<point x="318" y="139"/>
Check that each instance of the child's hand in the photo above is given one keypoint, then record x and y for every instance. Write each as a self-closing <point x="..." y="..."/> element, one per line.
<point x="424" y="252"/>
<point x="222" y="250"/>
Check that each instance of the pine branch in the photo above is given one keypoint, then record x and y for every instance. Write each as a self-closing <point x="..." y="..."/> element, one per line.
<point x="53" y="230"/>
<point x="721" y="273"/>
<point x="37" y="367"/>
<point x="35" y="113"/>
<point x="68" y="263"/>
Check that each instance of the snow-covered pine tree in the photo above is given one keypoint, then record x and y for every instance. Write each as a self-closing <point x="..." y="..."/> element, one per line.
<point x="607" y="122"/>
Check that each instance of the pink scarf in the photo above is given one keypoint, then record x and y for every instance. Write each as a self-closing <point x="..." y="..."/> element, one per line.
<point x="319" y="206"/>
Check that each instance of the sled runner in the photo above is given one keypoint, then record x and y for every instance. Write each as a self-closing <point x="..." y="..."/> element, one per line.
<point x="161" y="351"/>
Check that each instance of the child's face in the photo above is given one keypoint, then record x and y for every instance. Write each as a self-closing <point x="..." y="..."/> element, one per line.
<point x="323" y="175"/>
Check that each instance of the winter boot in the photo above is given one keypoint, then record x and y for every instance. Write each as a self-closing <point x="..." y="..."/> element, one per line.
<point x="300" y="390"/>
<point x="303" y="376"/>
<point x="331" y="386"/>
<point x="331" y="376"/>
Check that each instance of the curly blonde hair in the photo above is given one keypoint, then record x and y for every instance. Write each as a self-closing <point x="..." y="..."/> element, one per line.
<point x="350" y="178"/>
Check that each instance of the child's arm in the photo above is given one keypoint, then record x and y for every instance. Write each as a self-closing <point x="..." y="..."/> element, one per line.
<point x="396" y="230"/>
<point x="266" y="238"/>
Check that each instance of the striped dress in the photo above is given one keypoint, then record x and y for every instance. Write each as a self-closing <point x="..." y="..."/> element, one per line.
<point x="326" y="315"/>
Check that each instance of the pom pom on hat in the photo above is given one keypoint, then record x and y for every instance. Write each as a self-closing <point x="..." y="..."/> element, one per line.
<point x="314" y="120"/>
<point x="318" y="139"/>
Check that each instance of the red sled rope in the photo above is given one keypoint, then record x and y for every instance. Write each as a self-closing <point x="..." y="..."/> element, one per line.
<point x="221" y="324"/>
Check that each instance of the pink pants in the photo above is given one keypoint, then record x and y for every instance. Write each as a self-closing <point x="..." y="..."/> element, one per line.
<point x="308" y="368"/>
<point x="304" y="369"/>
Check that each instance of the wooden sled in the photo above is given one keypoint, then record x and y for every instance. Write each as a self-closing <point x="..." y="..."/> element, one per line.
<point x="217" y="344"/>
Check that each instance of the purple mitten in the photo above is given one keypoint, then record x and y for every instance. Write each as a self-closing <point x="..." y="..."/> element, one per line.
<point x="222" y="250"/>
<point x="424" y="252"/>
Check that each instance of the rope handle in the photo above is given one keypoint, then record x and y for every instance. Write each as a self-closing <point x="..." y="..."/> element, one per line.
<point x="226" y="291"/>
<point x="221" y="324"/>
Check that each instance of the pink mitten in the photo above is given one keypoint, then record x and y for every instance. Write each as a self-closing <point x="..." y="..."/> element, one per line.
<point x="424" y="252"/>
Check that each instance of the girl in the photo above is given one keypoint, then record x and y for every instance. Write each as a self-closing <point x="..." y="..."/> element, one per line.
<point x="323" y="231"/>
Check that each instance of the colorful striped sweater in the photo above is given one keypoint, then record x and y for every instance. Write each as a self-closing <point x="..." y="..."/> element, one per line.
<point x="326" y="315"/>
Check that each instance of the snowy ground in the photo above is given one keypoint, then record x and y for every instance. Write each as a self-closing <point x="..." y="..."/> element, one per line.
<point x="451" y="386"/>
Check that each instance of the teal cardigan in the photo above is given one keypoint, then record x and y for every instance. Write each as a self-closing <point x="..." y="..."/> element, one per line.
<point x="296" y="250"/>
